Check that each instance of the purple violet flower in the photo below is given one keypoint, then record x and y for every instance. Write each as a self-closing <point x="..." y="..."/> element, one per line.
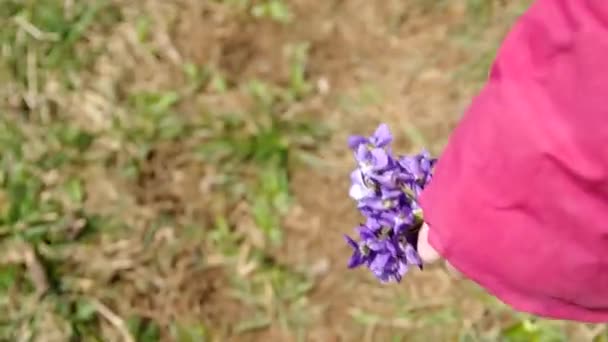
<point x="360" y="187"/>
<point x="371" y="159"/>
<point x="382" y="137"/>
<point x="386" y="189"/>
<point x="358" y="258"/>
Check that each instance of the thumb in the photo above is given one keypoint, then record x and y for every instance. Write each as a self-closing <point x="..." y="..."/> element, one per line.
<point x="428" y="254"/>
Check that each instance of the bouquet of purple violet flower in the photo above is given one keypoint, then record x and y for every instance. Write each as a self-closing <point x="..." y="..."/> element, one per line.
<point x="386" y="188"/>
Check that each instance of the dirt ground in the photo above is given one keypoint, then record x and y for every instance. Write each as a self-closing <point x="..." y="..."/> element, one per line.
<point x="413" y="64"/>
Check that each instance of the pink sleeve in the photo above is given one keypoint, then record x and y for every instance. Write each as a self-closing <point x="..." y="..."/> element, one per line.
<point x="519" y="200"/>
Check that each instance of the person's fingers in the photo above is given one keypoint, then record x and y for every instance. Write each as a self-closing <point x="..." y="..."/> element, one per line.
<point x="427" y="253"/>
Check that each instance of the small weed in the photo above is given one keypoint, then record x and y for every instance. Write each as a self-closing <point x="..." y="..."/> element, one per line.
<point x="269" y="148"/>
<point x="41" y="35"/>
<point x="288" y="291"/>
<point x="153" y="120"/>
<point x="189" y="332"/>
<point x="299" y="86"/>
<point x="267" y="142"/>
<point x="270" y="200"/>
<point x="276" y="10"/>
<point x="143" y="330"/>
<point x="528" y="330"/>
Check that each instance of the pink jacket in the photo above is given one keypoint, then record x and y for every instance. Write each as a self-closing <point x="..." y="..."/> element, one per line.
<point x="519" y="200"/>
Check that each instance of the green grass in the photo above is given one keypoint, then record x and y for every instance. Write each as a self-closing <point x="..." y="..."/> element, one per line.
<point x="276" y="10"/>
<point x="39" y="37"/>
